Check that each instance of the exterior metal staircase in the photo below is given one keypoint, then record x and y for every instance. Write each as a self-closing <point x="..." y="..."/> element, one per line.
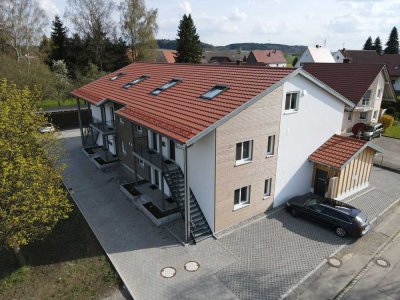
<point x="199" y="228"/>
<point x="87" y="136"/>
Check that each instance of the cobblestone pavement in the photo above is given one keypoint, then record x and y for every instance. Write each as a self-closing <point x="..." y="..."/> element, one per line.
<point x="277" y="251"/>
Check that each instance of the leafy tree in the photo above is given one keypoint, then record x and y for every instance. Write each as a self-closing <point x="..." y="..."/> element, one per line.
<point x="188" y="42"/>
<point x="139" y="27"/>
<point x="295" y="60"/>
<point x="45" y="49"/>
<point x="377" y="45"/>
<point x="21" y="26"/>
<point x="63" y="83"/>
<point x="32" y="199"/>
<point x="115" y="56"/>
<point x="78" y="56"/>
<point x="392" y="45"/>
<point x="59" y="40"/>
<point x="368" y="44"/>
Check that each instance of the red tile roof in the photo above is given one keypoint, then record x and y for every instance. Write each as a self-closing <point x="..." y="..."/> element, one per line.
<point x="169" y="56"/>
<point x="338" y="150"/>
<point x="269" y="56"/>
<point x="179" y="112"/>
<point x="349" y="80"/>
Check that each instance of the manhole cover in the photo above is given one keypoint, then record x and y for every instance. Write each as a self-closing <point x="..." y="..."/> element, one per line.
<point x="168" y="272"/>
<point x="334" y="262"/>
<point x="382" y="262"/>
<point x="192" y="266"/>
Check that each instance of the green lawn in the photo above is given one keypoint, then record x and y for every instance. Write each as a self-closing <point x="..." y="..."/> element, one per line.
<point x="68" y="264"/>
<point x="47" y="103"/>
<point x="290" y="59"/>
<point x="393" y="131"/>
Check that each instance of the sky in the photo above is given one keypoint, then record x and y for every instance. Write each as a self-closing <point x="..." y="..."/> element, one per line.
<point x="334" y="23"/>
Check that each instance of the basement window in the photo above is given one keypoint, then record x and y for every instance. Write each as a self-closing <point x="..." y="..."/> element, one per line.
<point x="215" y="91"/>
<point x="166" y="86"/>
<point x="117" y="76"/>
<point x="136" y="81"/>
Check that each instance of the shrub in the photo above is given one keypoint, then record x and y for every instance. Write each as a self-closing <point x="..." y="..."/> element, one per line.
<point x="387" y="121"/>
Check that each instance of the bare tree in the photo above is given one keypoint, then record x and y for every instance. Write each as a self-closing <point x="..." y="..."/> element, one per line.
<point x="139" y="27"/>
<point x="92" y="19"/>
<point x="21" y="26"/>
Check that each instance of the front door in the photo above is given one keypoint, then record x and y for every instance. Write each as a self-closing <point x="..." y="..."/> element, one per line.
<point x="156" y="178"/>
<point x="321" y="178"/>
<point x="172" y="149"/>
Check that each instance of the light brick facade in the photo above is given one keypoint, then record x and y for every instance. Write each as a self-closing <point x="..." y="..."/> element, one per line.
<point x="255" y="123"/>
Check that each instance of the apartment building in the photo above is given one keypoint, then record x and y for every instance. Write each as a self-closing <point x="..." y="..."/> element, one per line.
<point x="226" y="143"/>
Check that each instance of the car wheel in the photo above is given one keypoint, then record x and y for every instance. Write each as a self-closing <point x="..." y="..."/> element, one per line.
<point x="294" y="212"/>
<point x="340" y="231"/>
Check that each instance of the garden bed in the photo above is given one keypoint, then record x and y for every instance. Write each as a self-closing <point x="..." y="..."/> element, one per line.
<point x="157" y="213"/>
<point x="130" y="187"/>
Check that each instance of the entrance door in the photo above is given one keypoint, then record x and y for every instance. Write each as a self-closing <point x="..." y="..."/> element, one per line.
<point x="321" y="178"/>
<point x="156" y="178"/>
<point x="172" y="149"/>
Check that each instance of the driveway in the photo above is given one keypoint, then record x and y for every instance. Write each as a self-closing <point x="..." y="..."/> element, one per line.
<point x="261" y="260"/>
<point x="391" y="157"/>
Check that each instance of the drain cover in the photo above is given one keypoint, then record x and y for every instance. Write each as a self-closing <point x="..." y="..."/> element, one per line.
<point x="168" y="272"/>
<point x="382" y="262"/>
<point x="334" y="262"/>
<point x="192" y="266"/>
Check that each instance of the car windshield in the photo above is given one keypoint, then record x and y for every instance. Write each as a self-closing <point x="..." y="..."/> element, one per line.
<point x="369" y="129"/>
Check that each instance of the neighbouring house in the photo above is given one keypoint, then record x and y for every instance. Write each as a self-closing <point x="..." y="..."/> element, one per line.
<point x="342" y="166"/>
<point x="224" y="57"/>
<point x="268" y="58"/>
<point x="392" y="61"/>
<point x="315" y="54"/>
<point x="167" y="56"/>
<point x="225" y="143"/>
<point x="366" y="85"/>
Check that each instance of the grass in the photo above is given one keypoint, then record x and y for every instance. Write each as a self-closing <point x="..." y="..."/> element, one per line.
<point x="393" y="131"/>
<point x="68" y="264"/>
<point x="290" y="59"/>
<point x="48" y="103"/>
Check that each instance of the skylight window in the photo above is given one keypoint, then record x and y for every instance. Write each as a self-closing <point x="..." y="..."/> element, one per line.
<point x="215" y="91"/>
<point x="164" y="87"/>
<point x="136" y="81"/>
<point x="117" y="76"/>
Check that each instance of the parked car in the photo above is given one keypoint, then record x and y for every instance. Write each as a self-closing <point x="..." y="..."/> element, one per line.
<point x="372" y="131"/>
<point x="46" y="128"/>
<point x="344" y="218"/>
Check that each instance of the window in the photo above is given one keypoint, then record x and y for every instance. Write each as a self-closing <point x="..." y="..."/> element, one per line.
<point x="243" y="152"/>
<point x="267" y="188"/>
<point x="375" y="116"/>
<point x="242" y="197"/>
<point x="366" y="97"/>
<point x="141" y="163"/>
<point x="139" y="128"/>
<point x="215" y="91"/>
<point x="123" y="147"/>
<point x="350" y="116"/>
<point x="166" y="86"/>
<point x="136" y="81"/>
<point x="117" y="76"/>
<point x="121" y="121"/>
<point x="155" y="141"/>
<point x="379" y="93"/>
<point x="292" y="101"/>
<point x="271" y="145"/>
<point x="363" y="115"/>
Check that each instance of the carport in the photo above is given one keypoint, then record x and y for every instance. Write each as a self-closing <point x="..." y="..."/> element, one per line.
<point x="342" y="166"/>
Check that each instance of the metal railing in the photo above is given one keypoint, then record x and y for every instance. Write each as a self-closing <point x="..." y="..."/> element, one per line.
<point x="104" y="126"/>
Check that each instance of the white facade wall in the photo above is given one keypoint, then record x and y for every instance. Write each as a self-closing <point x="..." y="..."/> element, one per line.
<point x="96" y="111"/>
<point x="319" y="116"/>
<point x="279" y="65"/>
<point x="201" y="168"/>
<point x="338" y="56"/>
<point x="396" y="84"/>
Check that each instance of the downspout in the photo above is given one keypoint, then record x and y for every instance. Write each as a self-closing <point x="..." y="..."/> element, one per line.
<point x="80" y="121"/>
<point x="187" y="193"/>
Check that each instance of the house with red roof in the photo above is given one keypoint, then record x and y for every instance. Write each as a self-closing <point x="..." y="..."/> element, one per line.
<point x="219" y="143"/>
<point x="366" y="85"/>
<point x="268" y="58"/>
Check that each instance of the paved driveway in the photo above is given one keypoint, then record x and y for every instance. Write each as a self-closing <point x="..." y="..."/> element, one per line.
<point x="262" y="260"/>
<point x="391" y="157"/>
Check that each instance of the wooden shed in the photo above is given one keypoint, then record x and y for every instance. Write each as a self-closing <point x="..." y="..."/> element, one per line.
<point x="342" y="166"/>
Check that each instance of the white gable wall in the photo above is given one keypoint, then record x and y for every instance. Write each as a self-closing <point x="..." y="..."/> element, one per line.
<point x="319" y="116"/>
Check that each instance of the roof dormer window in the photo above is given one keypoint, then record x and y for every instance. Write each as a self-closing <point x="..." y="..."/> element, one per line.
<point x="215" y="91"/>
<point x="166" y="86"/>
<point x="117" y="76"/>
<point x="136" y="81"/>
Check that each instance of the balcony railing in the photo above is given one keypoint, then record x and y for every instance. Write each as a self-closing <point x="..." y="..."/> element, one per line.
<point x="104" y="126"/>
<point x="141" y="148"/>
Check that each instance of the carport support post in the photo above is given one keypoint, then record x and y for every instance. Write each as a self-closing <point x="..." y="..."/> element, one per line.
<point x="187" y="194"/>
<point x="80" y="120"/>
<point x="162" y="171"/>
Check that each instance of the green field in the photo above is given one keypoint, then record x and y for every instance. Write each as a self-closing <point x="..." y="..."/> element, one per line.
<point x="290" y="59"/>
<point x="68" y="264"/>
<point x="393" y="131"/>
<point x="48" y="103"/>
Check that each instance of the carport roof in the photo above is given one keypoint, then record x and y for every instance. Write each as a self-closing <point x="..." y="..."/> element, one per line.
<point x="339" y="150"/>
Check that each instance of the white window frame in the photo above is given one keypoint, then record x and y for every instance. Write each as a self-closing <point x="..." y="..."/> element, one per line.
<point x="366" y="115"/>
<point x="241" y="203"/>
<point x="296" y="108"/>
<point x="270" y="145"/>
<point x="244" y="160"/>
<point x="141" y="163"/>
<point x="350" y="116"/>
<point x="123" y="147"/>
<point x="121" y="121"/>
<point x="378" y="93"/>
<point x="267" y="188"/>
<point x="139" y="129"/>
<point x="375" y="114"/>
